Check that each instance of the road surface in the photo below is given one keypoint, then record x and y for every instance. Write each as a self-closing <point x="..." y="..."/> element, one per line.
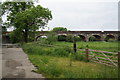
<point x="15" y="64"/>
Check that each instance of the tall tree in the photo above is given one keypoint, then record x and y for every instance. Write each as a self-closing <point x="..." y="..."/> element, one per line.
<point x="31" y="20"/>
<point x="12" y="8"/>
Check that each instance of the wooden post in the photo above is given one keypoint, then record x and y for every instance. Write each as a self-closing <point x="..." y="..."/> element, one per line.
<point x="87" y="57"/>
<point x="119" y="64"/>
<point x="119" y="59"/>
<point x="74" y="45"/>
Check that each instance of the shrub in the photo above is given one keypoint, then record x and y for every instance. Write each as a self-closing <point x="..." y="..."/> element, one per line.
<point x="69" y="38"/>
<point x="51" y="37"/>
<point x="61" y="38"/>
<point x="107" y="38"/>
<point x="77" y="38"/>
<point x="43" y="50"/>
<point x="92" y="38"/>
<point x="111" y="40"/>
<point x="16" y="38"/>
<point x="60" y="52"/>
<point x="43" y="41"/>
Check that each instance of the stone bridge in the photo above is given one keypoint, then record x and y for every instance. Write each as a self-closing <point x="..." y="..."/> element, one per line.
<point x="85" y="35"/>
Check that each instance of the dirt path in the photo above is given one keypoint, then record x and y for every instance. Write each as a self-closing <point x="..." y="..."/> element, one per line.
<point x="15" y="64"/>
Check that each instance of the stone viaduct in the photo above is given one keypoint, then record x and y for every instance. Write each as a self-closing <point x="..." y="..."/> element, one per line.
<point x="85" y="35"/>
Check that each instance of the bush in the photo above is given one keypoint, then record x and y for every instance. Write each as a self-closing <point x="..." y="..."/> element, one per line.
<point x="92" y="38"/>
<point x="51" y="37"/>
<point x="69" y="38"/>
<point x="43" y="41"/>
<point x="34" y="49"/>
<point x="62" y="51"/>
<point x="111" y="40"/>
<point x="16" y="38"/>
<point x="61" y="38"/>
<point x="107" y="38"/>
<point x="77" y="38"/>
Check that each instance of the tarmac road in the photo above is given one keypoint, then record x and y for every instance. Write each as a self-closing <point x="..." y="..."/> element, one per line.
<point x="15" y="64"/>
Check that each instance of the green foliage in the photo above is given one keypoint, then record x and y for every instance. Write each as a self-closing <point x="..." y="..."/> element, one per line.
<point x="107" y="38"/>
<point x="71" y="58"/>
<point x="26" y="17"/>
<point x="14" y="38"/>
<point x="92" y="38"/>
<point x="79" y="57"/>
<point x="61" y="38"/>
<point x="32" y="35"/>
<point x="51" y="37"/>
<point x="110" y="40"/>
<point x="62" y="51"/>
<point x="69" y="38"/>
<point x="43" y="50"/>
<point x="54" y="61"/>
<point x="43" y="41"/>
<point x="29" y="22"/>
<point x="54" y="70"/>
<point x="4" y="29"/>
<point x="77" y="38"/>
<point x="58" y="67"/>
<point x="56" y="29"/>
<point x="103" y="46"/>
<point x="13" y="8"/>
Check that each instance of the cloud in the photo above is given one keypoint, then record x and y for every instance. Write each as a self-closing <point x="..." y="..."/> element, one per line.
<point x="78" y="15"/>
<point x="83" y="14"/>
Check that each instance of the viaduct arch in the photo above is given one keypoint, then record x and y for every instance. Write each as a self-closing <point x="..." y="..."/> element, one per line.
<point x="85" y="35"/>
<point x="82" y="37"/>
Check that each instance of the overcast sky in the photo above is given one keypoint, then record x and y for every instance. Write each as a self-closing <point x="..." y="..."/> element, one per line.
<point x="83" y="14"/>
<point x="78" y="15"/>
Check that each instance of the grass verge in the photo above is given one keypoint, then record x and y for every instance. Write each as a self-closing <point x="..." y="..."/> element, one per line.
<point x="53" y="64"/>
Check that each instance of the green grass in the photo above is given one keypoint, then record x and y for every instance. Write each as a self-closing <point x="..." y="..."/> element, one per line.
<point x="53" y="62"/>
<point x="54" y="67"/>
<point x="104" y="46"/>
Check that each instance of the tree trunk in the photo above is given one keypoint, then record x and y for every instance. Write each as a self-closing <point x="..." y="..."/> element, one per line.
<point x="26" y="35"/>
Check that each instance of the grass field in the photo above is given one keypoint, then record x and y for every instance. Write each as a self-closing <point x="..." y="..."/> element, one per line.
<point x="54" y="67"/>
<point x="54" y="62"/>
<point x="104" y="46"/>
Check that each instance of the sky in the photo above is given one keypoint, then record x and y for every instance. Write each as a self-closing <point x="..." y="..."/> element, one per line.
<point x="82" y="15"/>
<point x="77" y="15"/>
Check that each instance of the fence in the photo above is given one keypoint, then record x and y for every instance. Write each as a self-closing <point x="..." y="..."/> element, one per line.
<point x="102" y="57"/>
